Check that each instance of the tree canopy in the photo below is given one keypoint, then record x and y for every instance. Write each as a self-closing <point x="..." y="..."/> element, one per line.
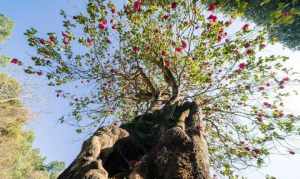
<point x="6" y="26"/>
<point x="281" y="18"/>
<point x="18" y="159"/>
<point x="127" y="61"/>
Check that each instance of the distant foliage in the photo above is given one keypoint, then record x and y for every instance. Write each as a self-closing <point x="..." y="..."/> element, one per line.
<point x="6" y="26"/>
<point x="280" y="17"/>
<point x="17" y="158"/>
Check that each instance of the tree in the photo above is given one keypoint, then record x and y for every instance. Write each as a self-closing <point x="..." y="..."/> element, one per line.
<point x="280" y="17"/>
<point x="6" y="26"/>
<point x="18" y="159"/>
<point x="166" y="68"/>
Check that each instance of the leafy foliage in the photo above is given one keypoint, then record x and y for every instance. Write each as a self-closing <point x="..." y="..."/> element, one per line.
<point x="280" y="17"/>
<point x="17" y="158"/>
<point x="125" y="62"/>
<point x="6" y="26"/>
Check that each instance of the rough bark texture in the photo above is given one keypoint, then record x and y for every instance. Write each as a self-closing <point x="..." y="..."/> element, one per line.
<point x="165" y="144"/>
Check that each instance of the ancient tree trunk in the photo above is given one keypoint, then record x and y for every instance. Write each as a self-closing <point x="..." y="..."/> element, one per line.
<point x="165" y="144"/>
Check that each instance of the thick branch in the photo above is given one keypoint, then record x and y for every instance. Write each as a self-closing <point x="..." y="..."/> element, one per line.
<point x="170" y="80"/>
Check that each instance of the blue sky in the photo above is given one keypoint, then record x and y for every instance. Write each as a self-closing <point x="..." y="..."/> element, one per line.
<point x="60" y="142"/>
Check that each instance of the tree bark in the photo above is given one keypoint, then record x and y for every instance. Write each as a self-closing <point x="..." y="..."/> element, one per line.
<point x="165" y="144"/>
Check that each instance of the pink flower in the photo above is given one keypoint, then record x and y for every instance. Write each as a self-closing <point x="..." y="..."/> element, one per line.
<point x="65" y="34"/>
<point x="137" y="6"/>
<point x="212" y="6"/>
<point x="136" y="49"/>
<point x="174" y="5"/>
<point x="103" y="24"/>
<point x="285" y="78"/>
<point x="14" y="61"/>
<point x="242" y="66"/>
<point x="246" y="27"/>
<point x="166" y="16"/>
<point x="178" y="49"/>
<point x="66" y="40"/>
<point x="183" y="44"/>
<point x="212" y="18"/>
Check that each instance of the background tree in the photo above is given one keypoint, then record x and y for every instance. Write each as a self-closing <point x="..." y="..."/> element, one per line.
<point x="6" y="26"/>
<point x="281" y="18"/>
<point x="148" y="56"/>
<point x="18" y="160"/>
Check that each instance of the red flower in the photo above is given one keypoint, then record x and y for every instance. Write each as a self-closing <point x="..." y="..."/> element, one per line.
<point x="285" y="79"/>
<point x="178" y="49"/>
<point x="103" y="24"/>
<point x="137" y="6"/>
<point x="174" y="5"/>
<point x="212" y="18"/>
<point x="136" y="49"/>
<point x="166" y="16"/>
<point x="246" y="27"/>
<point x="183" y="44"/>
<point x="14" y="61"/>
<point x="242" y="66"/>
<point x="212" y="6"/>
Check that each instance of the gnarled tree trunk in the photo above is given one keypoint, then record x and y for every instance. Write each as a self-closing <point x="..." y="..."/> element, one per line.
<point x="165" y="144"/>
